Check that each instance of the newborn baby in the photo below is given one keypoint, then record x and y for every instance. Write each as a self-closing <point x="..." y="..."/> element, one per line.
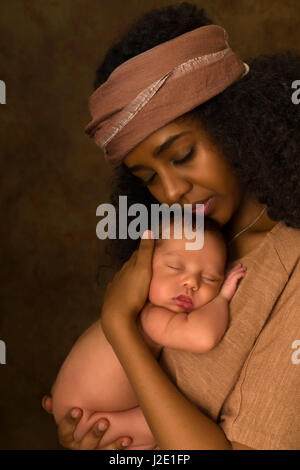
<point x="187" y="308"/>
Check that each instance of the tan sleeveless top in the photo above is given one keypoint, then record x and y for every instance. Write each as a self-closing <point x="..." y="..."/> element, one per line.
<point x="250" y="382"/>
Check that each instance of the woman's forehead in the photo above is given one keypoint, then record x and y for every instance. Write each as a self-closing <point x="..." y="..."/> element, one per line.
<point x="159" y="140"/>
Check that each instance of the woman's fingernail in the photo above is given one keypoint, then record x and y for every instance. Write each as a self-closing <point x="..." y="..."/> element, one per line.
<point x="102" y="426"/>
<point x="75" y="413"/>
<point x="148" y="234"/>
<point x="125" y="442"/>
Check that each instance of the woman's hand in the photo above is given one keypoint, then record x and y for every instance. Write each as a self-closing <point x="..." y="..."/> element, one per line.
<point x="127" y="293"/>
<point x="91" y="439"/>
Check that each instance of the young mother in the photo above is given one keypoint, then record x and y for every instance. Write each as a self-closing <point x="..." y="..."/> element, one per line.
<point x="184" y="120"/>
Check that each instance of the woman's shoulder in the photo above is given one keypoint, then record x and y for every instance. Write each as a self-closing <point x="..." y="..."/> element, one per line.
<point x="276" y="256"/>
<point x="271" y="284"/>
<point x="286" y="243"/>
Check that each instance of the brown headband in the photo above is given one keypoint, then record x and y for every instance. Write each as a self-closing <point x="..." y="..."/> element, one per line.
<point x="152" y="89"/>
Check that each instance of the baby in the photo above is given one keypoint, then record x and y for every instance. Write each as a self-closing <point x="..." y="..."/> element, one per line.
<point x="187" y="308"/>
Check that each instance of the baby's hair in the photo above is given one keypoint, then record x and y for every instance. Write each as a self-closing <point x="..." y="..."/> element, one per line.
<point x="210" y="225"/>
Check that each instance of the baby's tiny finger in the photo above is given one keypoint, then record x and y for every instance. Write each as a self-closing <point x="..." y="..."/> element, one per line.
<point x="241" y="275"/>
<point x="243" y="268"/>
<point x="237" y="266"/>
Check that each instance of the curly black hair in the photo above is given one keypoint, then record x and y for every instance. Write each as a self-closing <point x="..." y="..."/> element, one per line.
<point x="253" y="122"/>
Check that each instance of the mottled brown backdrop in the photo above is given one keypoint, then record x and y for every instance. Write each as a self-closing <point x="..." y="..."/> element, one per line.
<point x="54" y="177"/>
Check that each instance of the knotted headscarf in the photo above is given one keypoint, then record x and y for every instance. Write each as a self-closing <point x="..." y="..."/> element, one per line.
<point x="155" y="87"/>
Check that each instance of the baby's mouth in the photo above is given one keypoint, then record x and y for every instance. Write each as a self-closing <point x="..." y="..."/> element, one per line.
<point x="184" y="301"/>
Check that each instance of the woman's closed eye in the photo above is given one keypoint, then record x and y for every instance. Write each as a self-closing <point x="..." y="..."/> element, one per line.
<point x="176" y="162"/>
<point x="186" y="158"/>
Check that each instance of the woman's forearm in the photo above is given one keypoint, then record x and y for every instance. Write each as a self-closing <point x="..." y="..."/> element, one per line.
<point x="174" y="421"/>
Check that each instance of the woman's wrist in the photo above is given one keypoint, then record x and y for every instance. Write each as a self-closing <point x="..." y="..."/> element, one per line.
<point x="155" y="347"/>
<point x="113" y="323"/>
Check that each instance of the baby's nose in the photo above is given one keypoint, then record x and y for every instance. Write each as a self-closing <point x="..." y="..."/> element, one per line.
<point x="192" y="283"/>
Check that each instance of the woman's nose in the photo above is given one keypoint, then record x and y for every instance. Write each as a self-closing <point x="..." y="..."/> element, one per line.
<point x="174" y="188"/>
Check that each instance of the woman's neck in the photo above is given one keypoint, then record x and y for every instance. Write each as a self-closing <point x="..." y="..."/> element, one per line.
<point x="248" y="210"/>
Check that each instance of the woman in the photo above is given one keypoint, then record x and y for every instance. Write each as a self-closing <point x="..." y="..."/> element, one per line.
<point x="238" y="147"/>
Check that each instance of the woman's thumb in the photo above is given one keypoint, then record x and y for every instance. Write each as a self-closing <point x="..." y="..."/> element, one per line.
<point x="146" y="245"/>
<point x="148" y="234"/>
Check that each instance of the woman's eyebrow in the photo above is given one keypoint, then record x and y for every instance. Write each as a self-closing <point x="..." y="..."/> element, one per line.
<point x="158" y="150"/>
<point x="161" y="148"/>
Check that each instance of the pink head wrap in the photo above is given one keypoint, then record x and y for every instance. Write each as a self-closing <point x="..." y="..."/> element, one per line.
<point x="152" y="89"/>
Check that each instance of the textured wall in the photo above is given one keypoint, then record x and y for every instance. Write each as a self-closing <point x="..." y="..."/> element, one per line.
<point x="53" y="178"/>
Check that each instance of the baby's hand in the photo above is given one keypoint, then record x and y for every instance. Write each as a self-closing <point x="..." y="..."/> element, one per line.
<point x="230" y="283"/>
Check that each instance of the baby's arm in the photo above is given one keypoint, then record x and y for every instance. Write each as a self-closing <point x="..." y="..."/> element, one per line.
<point x="200" y="330"/>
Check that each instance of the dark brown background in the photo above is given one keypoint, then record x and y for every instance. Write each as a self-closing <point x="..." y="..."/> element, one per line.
<point x="54" y="177"/>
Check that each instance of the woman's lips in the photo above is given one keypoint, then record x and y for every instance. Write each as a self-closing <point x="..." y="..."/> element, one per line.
<point x="208" y="206"/>
<point x="184" y="301"/>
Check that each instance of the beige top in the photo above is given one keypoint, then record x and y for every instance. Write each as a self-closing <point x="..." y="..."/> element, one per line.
<point x="250" y="382"/>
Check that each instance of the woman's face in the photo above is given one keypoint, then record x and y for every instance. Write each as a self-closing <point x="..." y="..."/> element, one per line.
<point x="180" y="164"/>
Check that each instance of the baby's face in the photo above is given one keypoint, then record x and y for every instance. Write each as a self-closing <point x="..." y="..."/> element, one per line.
<point x="197" y="275"/>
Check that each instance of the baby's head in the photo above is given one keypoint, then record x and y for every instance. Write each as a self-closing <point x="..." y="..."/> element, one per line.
<point x="196" y="274"/>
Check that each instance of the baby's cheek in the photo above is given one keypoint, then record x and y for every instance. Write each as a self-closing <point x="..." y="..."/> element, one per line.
<point x="153" y="292"/>
<point x="212" y="291"/>
<point x="157" y="291"/>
